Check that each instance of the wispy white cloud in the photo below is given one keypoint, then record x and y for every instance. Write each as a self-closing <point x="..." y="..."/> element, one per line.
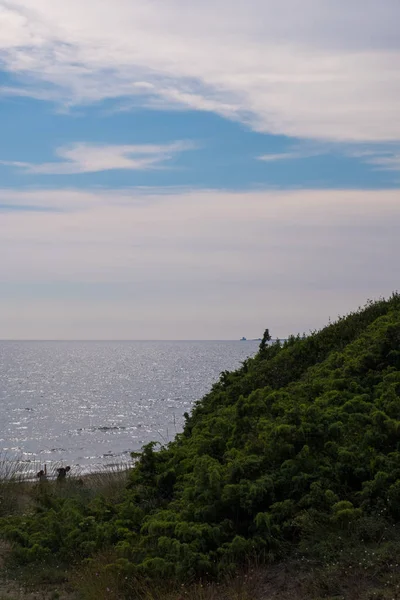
<point x="90" y="158"/>
<point x="305" y="152"/>
<point x="386" y="163"/>
<point x="305" y="149"/>
<point x="321" y="70"/>
<point x="384" y="158"/>
<point x="281" y="156"/>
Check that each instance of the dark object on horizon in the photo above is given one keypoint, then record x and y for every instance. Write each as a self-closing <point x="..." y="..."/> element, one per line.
<point x="243" y="339"/>
<point x="62" y="473"/>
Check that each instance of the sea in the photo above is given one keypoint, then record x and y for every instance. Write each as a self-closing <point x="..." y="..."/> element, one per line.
<point x="90" y="404"/>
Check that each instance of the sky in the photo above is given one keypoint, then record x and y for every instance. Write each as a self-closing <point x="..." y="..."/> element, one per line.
<point x="174" y="169"/>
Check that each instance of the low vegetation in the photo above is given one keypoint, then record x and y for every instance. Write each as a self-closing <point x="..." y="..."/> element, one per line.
<point x="290" y="464"/>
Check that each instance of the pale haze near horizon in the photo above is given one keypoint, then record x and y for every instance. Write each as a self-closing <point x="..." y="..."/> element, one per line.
<point x="208" y="265"/>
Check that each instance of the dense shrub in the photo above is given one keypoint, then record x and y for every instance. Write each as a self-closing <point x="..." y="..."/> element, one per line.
<point x="305" y="437"/>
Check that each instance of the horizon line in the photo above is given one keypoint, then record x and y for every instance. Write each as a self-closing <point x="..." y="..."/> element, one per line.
<point x="129" y="340"/>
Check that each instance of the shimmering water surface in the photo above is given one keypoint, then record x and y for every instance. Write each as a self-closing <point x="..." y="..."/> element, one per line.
<point x="92" y="403"/>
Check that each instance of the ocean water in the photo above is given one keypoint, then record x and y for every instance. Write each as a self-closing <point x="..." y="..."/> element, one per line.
<point x="90" y="404"/>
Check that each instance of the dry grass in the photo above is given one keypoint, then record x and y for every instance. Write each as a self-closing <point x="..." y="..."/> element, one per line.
<point x="292" y="580"/>
<point x="110" y="482"/>
<point x="19" y="485"/>
<point x="96" y="581"/>
<point x="15" y="485"/>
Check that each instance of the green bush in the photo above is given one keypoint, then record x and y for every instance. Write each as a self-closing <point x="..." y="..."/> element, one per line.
<point x="301" y="443"/>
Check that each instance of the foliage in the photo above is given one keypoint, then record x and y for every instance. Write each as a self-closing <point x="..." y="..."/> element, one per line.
<point x="300" y="446"/>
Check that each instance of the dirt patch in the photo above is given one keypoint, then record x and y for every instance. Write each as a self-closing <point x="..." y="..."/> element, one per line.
<point x="13" y="590"/>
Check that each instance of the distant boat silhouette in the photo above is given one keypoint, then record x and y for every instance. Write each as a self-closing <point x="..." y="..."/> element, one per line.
<point x="243" y="339"/>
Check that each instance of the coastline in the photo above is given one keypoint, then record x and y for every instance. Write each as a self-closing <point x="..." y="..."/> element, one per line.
<point x="15" y="471"/>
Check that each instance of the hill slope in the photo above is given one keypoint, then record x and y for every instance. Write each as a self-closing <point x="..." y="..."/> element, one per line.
<point x="301" y="443"/>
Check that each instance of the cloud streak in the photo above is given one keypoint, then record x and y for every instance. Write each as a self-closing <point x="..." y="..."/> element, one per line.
<point x="295" y="154"/>
<point x="91" y="158"/>
<point x="282" y="156"/>
<point x="384" y="158"/>
<point x="385" y="161"/>
<point x="322" y="70"/>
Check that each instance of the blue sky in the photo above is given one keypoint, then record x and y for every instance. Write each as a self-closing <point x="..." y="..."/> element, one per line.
<point x="203" y="172"/>
<point x="221" y="153"/>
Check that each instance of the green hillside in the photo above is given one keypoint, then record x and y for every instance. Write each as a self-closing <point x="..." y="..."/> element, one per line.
<point x="296" y="450"/>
